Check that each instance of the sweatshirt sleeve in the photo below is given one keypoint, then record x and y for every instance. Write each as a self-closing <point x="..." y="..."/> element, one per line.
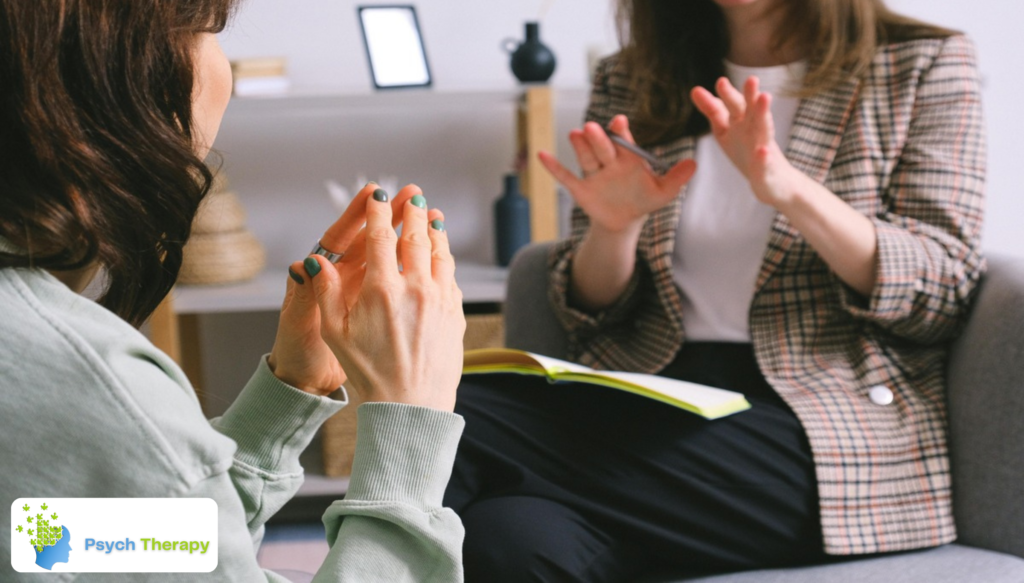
<point x="391" y="526"/>
<point x="272" y="423"/>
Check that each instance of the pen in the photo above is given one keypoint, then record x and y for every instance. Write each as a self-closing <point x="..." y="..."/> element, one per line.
<point x="655" y="163"/>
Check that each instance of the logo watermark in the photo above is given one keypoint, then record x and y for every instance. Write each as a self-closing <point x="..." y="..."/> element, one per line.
<point x="114" y="535"/>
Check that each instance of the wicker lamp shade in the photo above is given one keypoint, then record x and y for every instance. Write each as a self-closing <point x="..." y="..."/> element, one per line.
<point x="221" y="249"/>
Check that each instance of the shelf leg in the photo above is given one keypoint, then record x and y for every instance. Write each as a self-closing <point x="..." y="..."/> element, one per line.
<point x="178" y="337"/>
<point x="536" y="132"/>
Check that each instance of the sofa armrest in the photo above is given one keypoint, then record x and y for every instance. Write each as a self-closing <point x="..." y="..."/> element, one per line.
<point x="530" y="323"/>
<point x="986" y="403"/>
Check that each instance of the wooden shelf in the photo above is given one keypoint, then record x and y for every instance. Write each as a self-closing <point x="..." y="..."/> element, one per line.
<point x="411" y="101"/>
<point x="264" y="293"/>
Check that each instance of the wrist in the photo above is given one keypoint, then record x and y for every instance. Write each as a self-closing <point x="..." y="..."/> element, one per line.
<point x="296" y="380"/>
<point x="628" y="235"/>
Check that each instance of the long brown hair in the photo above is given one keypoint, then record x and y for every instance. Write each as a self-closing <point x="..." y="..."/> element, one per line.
<point x="671" y="46"/>
<point x="97" y="162"/>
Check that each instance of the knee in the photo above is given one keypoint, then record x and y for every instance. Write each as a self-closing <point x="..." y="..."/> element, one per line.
<point x="523" y="540"/>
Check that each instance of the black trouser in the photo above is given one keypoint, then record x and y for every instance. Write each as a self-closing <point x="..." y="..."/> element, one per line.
<point x="575" y="482"/>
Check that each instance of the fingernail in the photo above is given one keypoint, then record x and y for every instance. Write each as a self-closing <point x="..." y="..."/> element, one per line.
<point x="419" y="201"/>
<point x="437" y="224"/>
<point x="298" y="278"/>
<point x="312" y="266"/>
<point x="379" y="195"/>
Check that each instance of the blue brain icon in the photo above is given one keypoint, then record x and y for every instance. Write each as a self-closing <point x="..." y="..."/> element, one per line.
<point x="57" y="553"/>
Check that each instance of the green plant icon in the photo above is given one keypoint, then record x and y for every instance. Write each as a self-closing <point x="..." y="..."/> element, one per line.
<point x="44" y="535"/>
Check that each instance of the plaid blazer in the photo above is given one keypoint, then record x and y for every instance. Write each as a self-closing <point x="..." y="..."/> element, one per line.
<point x="904" y="145"/>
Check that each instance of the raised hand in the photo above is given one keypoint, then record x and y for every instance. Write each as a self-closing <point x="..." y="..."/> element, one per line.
<point x="742" y="124"/>
<point x="400" y="337"/>
<point x="618" y="189"/>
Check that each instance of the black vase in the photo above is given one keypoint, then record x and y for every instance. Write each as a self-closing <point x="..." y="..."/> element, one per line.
<point x="511" y="221"/>
<point x="532" y="62"/>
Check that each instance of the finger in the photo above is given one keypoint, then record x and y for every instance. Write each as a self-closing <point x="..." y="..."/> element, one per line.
<point x="356" y="252"/>
<point x="584" y="153"/>
<point x="339" y="236"/>
<point x="603" y="147"/>
<point x="620" y="126"/>
<point x="442" y="264"/>
<point x="561" y="173"/>
<point x="300" y="300"/>
<point x="381" y="241"/>
<point x="751" y="90"/>
<point x="732" y="99"/>
<point x="326" y="286"/>
<point x="398" y="202"/>
<point x="763" y="121"/>
<point x="415" y="241"/>
<point x="712" y="108"/>
<point x="677" y="177"/>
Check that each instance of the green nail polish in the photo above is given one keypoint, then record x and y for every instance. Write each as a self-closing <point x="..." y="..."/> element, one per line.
<point x="379" y="195"/>
<point x="419" y="201"/>
<point x="298" y="278"/>
<point x="312" y="266"/>
<point x="437" y="224"/>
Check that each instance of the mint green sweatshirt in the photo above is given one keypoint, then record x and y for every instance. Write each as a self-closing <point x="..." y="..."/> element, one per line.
<point x="90" y="408"/>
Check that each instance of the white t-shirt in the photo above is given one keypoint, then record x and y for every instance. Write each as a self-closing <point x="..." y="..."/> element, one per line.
<point x="723" y="228"/>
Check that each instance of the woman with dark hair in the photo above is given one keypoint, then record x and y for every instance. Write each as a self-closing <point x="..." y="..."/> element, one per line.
<point x="108" y="110"/>
<point x="814" y="246"/>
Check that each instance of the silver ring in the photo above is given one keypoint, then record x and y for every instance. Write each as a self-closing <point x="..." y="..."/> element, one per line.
<point x="330" y="255"/>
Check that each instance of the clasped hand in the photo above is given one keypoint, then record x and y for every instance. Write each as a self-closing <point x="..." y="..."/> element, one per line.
<point x="394" y="332"/>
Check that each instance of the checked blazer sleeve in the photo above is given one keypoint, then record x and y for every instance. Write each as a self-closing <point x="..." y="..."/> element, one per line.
<point x="579" y="323"/>
<point x="929" y="262"/>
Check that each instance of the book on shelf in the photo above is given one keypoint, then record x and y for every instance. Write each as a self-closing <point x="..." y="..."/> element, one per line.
<point x="257" y="77"/>
<point x="265" y="67"/>
<point x="708" y="402"/>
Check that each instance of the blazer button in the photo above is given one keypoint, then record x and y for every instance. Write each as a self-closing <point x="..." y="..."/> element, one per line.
<point x="880" y="395"/>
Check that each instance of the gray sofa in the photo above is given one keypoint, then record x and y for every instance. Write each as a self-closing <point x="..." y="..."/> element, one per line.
<point x="986" y="401"/>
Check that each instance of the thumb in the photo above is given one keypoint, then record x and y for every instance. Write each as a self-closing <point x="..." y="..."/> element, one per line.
<point x="676" y="178"/>
<point x="300" y="299"/>
<point x="326" y="288"/>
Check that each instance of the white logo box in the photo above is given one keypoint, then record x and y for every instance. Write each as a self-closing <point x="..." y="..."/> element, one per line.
<point x="95" y="522"/>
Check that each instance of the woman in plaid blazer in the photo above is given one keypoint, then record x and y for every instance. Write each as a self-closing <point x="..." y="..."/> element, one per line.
<point x="869" y="269"/>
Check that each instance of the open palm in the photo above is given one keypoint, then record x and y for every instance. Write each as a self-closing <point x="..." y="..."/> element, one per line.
<point x="618" y="188"/>
<point x="742" y="124"/>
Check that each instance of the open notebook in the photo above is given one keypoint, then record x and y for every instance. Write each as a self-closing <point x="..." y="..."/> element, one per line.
<point x="705" y="401"/>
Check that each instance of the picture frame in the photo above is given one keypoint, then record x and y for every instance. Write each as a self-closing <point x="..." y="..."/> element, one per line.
<point x="394" y="46"/>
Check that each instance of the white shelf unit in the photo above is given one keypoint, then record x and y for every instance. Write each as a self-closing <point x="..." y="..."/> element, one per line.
<point x="264" y="293"/>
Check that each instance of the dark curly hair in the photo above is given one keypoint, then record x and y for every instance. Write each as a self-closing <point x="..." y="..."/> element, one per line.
<point x="97" y="161"/>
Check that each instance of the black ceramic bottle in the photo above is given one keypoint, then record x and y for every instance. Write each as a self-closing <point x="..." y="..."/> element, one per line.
<point x="511" y="221"/>
<point x="532" y="62"/>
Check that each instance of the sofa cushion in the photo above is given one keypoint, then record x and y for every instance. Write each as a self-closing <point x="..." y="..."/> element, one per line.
<point x="947" y="564"/>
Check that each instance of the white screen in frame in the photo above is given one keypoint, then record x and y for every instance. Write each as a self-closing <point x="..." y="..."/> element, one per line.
<point x="395" y="47"/>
